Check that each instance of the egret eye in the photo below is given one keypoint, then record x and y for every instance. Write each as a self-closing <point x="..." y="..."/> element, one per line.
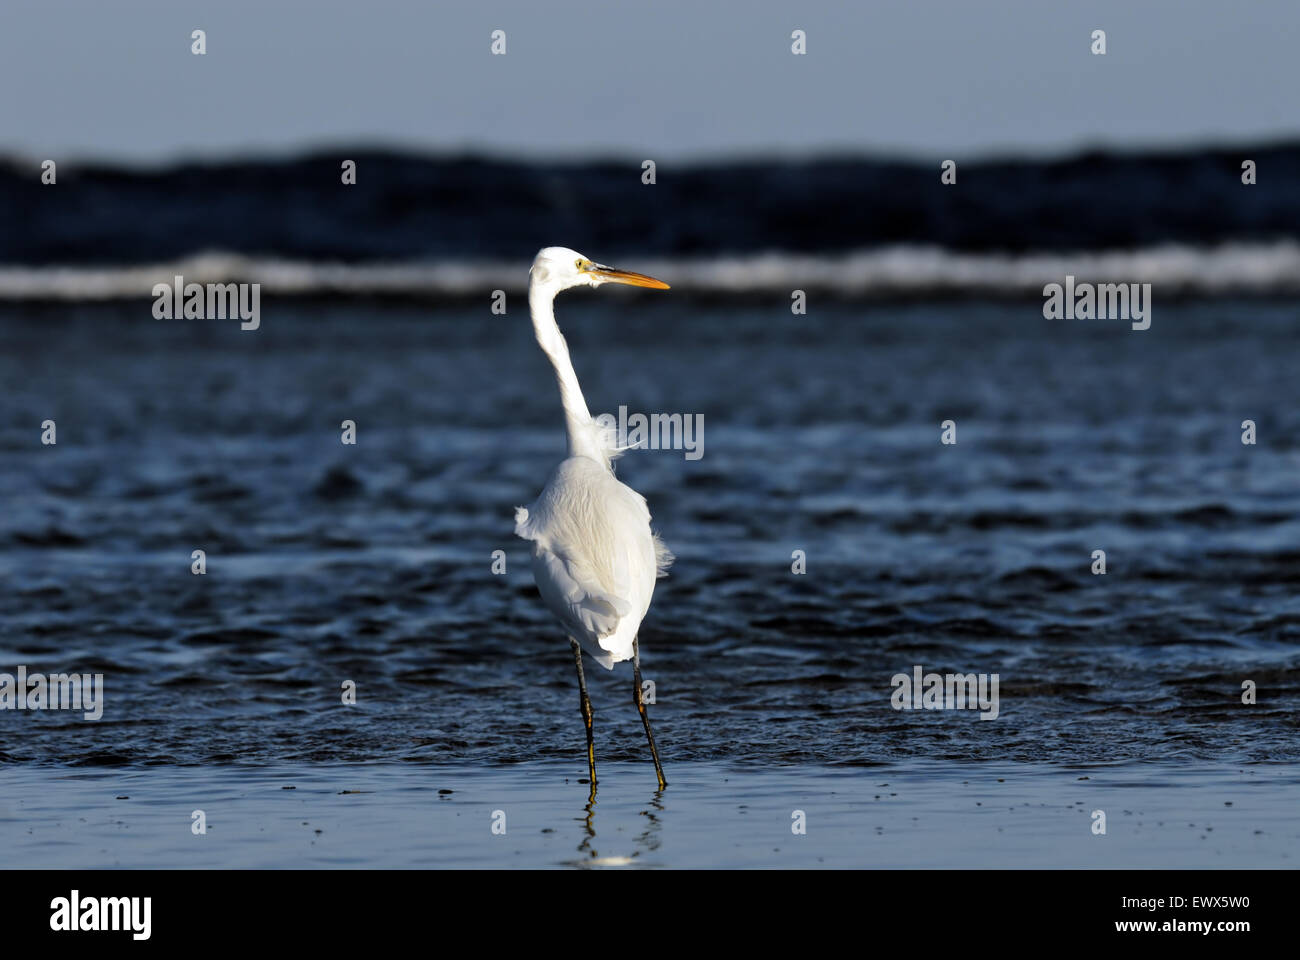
<point x="579" y="264"/>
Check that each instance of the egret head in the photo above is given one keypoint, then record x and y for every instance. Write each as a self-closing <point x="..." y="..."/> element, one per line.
<point x="561" y="268"/>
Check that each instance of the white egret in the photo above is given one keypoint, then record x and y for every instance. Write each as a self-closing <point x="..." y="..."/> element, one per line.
<point x="595" y="558"/>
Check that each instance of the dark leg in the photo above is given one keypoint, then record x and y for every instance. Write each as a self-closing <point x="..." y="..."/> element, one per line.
<point x="586" y="711"/>
<point x="645" y="717"/>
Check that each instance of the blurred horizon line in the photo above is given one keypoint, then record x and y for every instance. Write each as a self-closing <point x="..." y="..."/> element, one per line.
<point x="1155" y="148"/>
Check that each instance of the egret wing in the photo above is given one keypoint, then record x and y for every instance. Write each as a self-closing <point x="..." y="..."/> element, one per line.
<point x="576" y="596"/>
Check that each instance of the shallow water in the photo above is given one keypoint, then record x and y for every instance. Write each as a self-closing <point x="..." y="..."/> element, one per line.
<point x="329" y="563"/>
<point x="916" y="814"/>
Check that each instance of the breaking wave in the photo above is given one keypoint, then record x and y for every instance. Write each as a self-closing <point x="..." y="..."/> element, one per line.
<point x="888" y="272"/>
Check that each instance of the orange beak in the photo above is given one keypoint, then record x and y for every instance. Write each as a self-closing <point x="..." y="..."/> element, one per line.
<point x="628" y="277"/>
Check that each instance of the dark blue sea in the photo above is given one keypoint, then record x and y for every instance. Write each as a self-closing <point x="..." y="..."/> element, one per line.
<point x="372" y="564"/>
<point x="412" y="207"/>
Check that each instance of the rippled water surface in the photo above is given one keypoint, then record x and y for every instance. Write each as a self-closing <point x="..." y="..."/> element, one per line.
<point x="914" y="814"/>
<point x="372" y="563"/>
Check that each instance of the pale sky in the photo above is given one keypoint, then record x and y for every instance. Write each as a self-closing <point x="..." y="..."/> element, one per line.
<point x="651" y="79"/>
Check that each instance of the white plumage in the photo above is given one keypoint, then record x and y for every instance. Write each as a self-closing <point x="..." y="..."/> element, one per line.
<point x="595" y="558"/>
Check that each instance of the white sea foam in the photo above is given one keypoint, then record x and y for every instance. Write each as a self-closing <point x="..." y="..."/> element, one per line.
<point x="900" y="271"/>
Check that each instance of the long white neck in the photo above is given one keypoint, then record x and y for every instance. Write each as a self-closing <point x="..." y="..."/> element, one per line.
<point x="583" y="433"/>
